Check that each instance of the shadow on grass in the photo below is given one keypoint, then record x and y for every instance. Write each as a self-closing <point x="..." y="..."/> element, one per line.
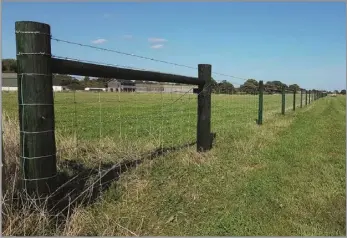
<point x="86" y="185"/>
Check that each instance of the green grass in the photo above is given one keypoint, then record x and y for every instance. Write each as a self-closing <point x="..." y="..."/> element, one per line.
<point x="286" y="177"/>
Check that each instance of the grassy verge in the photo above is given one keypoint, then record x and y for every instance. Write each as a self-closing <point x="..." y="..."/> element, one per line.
<point x="286" y="177"/>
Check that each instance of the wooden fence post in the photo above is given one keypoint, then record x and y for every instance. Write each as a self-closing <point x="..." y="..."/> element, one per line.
<point x="204" y="136"/>
<point x="261" y="102"/>
<point x="4" y="167"/>
<point x="36" y="109"/>
<point x="283" y="100"/>
<point x="301" y="92"/>
<point x="309" y="97"/>
<point x="294" y="99"/>
<point x="306" y="97"/>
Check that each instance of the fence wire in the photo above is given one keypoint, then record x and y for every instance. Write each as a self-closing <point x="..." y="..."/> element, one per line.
<point x="133" y="122"/>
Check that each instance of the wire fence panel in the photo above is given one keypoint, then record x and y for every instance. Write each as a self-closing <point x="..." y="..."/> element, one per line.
<point x="133" y="122"/>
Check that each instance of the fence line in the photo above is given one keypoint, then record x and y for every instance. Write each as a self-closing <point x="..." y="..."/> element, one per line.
<point x="36" y="105"/>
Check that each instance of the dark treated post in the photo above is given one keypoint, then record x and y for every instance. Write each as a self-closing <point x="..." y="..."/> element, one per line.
<point x="283" y="100"/>
<point x="301" y="92"/>
<point x="36" y="109"/>
<point x="309" y="97"/>
<point x="294" y="99"/>
<point x="4" y="169"/>
<point x="306" y="97"/>
<point x="204" y="140"/>
<point x="261" y="102"/>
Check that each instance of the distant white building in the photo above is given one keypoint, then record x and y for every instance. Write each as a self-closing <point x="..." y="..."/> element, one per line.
<point x="95" y="89"/>
<point x="117" y="85"/>
<point x="9" y="83"/>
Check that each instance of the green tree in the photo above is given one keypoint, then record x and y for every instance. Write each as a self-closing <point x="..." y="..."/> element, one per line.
<point x="274" y="86"/>
<point x="343" y="92"/>
<point x="250" y="86"/>
<point x="225" y="87"/>
<point x="86" y="79"/>
<point x="294" y="87"/>
<point x="9" y="66"/>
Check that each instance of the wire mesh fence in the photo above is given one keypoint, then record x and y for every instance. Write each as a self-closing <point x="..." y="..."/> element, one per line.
<point x="134" y="122"/>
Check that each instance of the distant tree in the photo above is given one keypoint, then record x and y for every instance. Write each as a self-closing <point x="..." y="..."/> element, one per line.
<point x="343" y="92"/>
<point x="103" y="81"/>
<point x="250" y="86"/>
<point x="273" y="86"/>
<point x="336" y="91"/>
<point x="294" y="87"/>
<point x="9" y="66"/>
<point x="225" y="87"/>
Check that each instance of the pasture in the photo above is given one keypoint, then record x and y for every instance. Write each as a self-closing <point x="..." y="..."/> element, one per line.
<point x="286" y="177"/>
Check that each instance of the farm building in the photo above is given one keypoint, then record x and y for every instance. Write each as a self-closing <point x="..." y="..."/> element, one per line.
<point x="9" y="83"/>
<point x="138" y="86"/>
<point x="95" y="89"/>
<point x="121" y="86"/>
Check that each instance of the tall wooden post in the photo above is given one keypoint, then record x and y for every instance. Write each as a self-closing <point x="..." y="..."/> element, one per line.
<point x="301" y="92"/>
<point x="4" y="169"/>
<point x="283" y="100"/>
<point x="36" y="109"/>
<point x="309" y="97"/>
<point x="306" y="97"/>
<point x="261" y="102"/>
<point x="204" y="136"/>
<point x="294" y="99"/>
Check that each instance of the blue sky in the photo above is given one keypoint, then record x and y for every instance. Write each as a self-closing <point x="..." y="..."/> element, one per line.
<point x="303" y="43"/>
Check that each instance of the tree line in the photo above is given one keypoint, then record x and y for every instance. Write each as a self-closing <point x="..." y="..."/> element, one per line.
<point x="250" y="86"/>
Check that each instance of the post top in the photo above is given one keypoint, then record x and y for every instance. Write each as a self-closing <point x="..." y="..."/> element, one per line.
<point x="32" y="26"/>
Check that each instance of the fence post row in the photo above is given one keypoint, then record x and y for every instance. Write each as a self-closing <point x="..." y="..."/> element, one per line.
<point x="283" y="100"/>
<point x="36" y="109"/>
<point x="204" y="136"/>
<point x="261" y="102"/>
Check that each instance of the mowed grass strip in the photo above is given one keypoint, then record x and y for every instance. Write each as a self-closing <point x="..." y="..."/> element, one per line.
<point x="286" y="177"/>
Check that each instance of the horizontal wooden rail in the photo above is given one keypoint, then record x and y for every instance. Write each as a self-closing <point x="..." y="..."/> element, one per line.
<point x="71" y="67"/>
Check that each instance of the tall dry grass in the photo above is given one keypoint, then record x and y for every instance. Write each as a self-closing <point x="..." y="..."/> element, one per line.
<point x="22" y="215"/>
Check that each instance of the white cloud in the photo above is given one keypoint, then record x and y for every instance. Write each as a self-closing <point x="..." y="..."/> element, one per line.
<point x="156" y="40"/>
<point x="158" y="46"/>
<point x="99" y="41"/>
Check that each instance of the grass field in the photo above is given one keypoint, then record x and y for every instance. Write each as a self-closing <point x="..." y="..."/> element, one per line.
<point x="286" y="177"/>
